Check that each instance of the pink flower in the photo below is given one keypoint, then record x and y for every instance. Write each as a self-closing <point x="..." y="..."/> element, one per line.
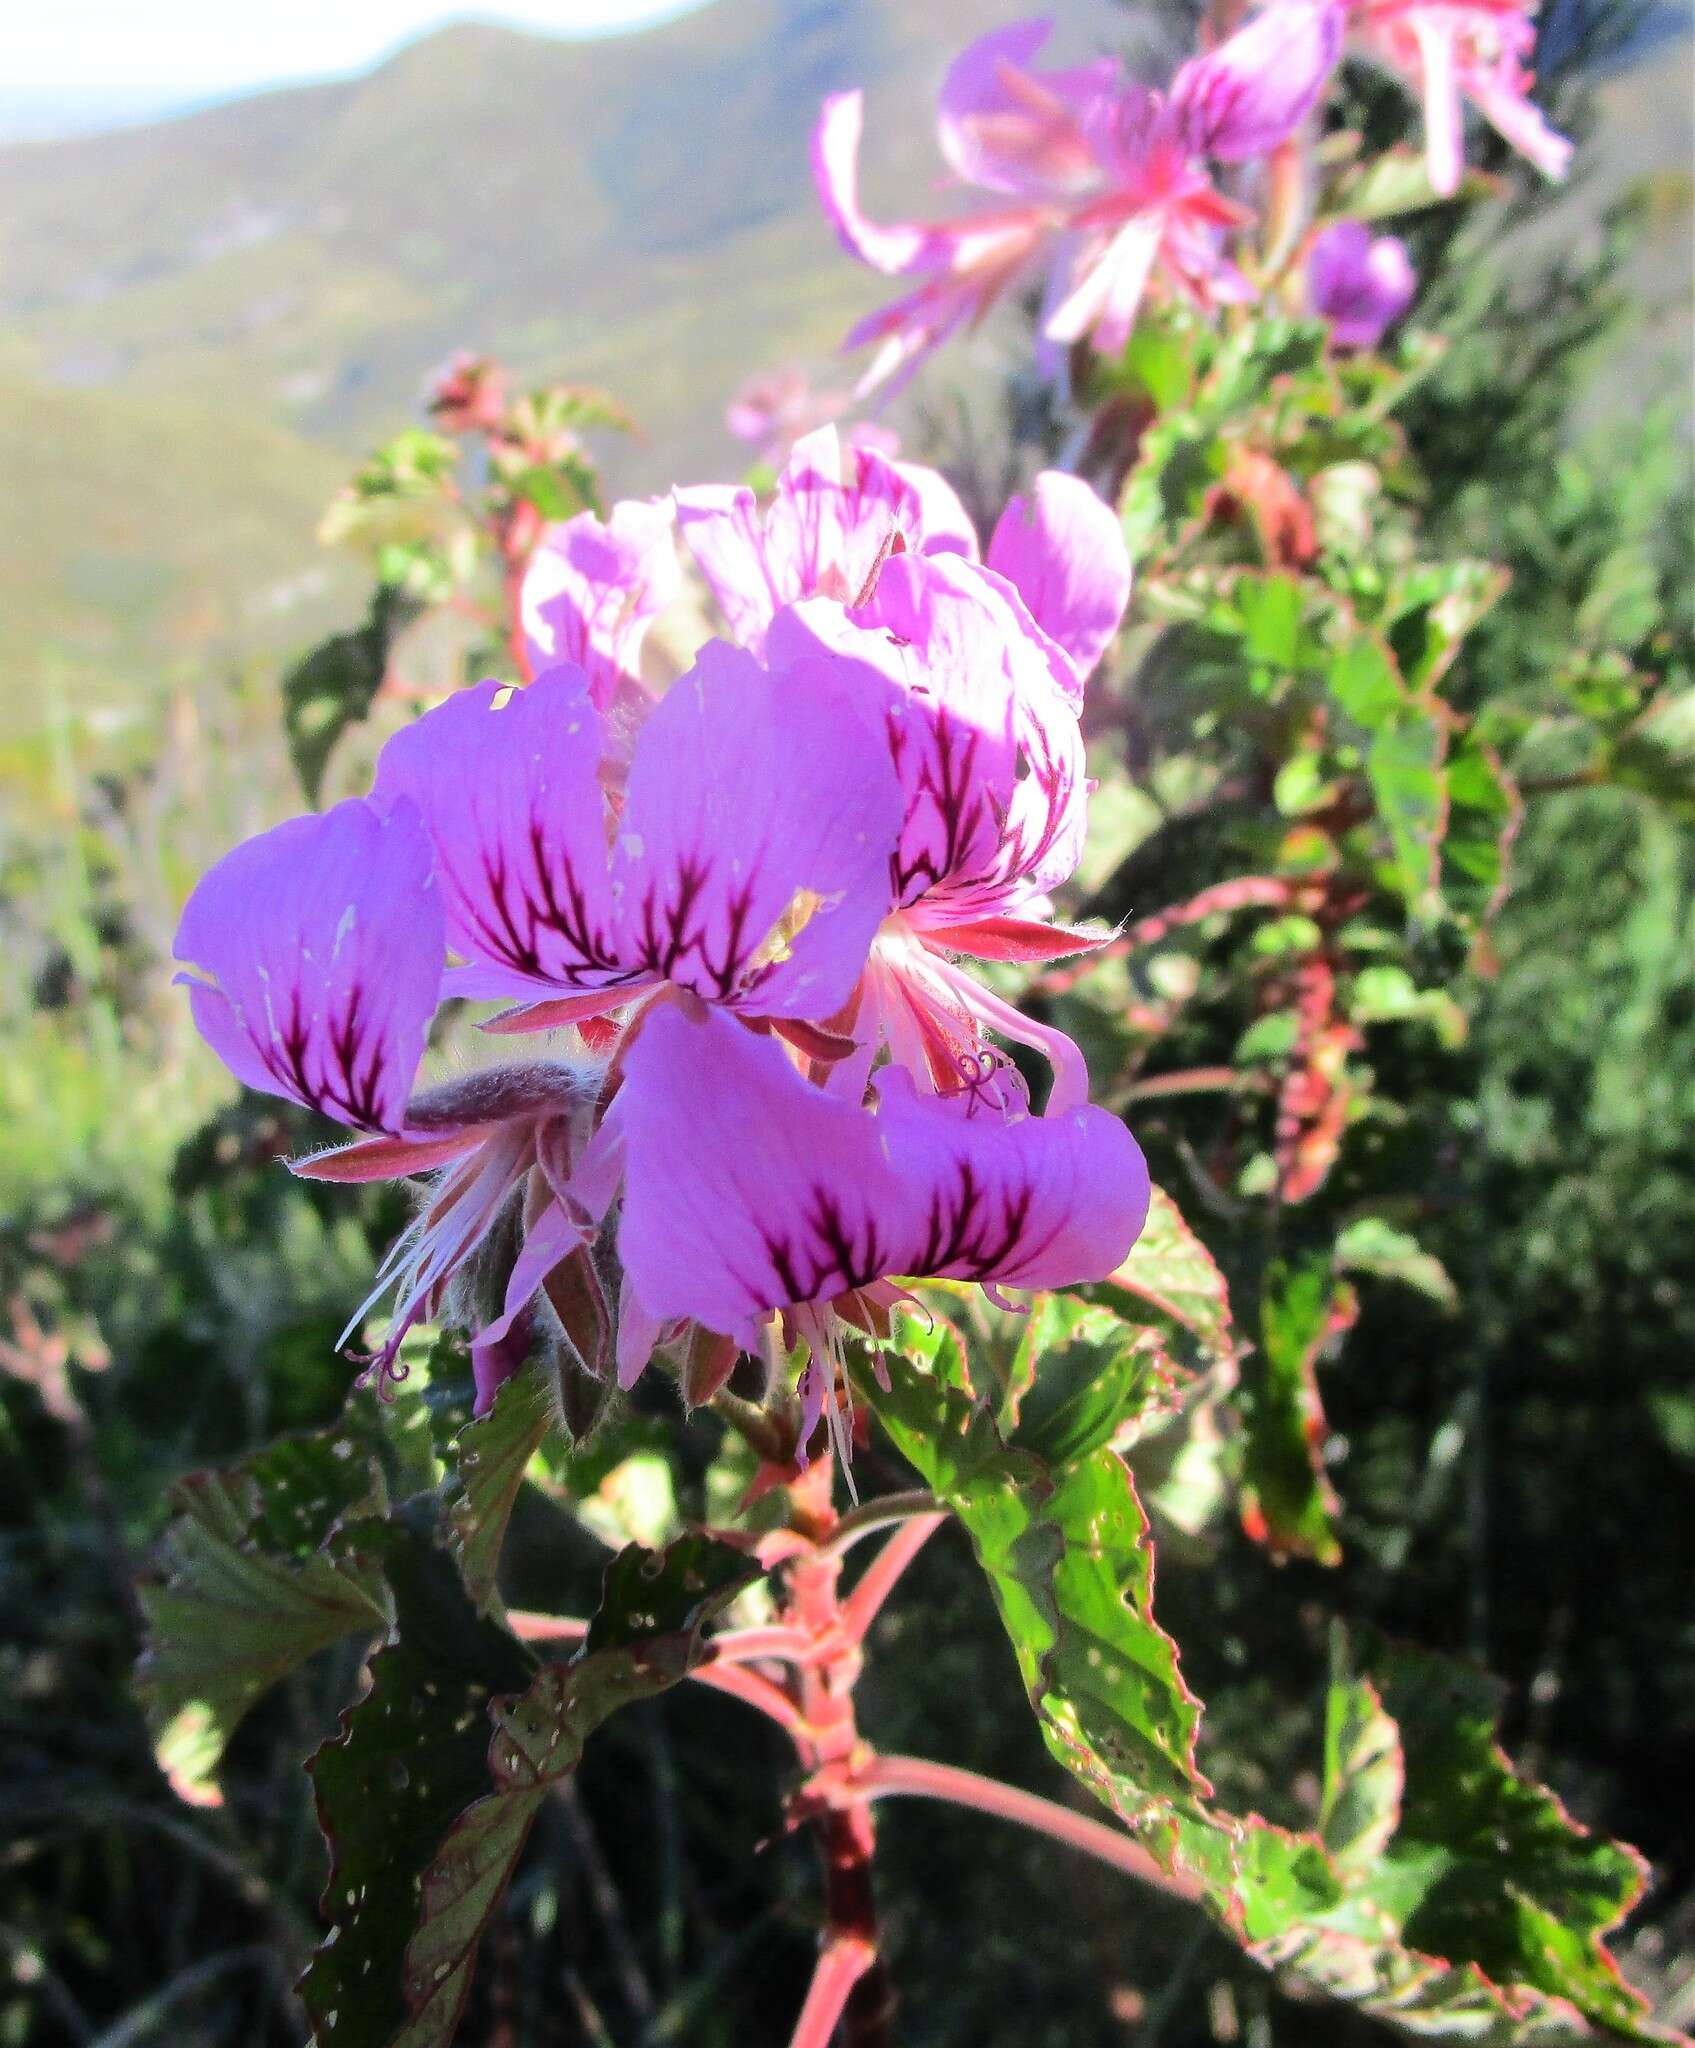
<point x="983" y="733"/>
<point x="1109" y="178"/>
<point x="591" y="591"/>
<point x="1361" y="285"/>
<point x="749" y="1191"/>
<point x="778" y="408"/>
<point x="839" y="513"/>
<point x="1062" y="549"/>
<point x="1450" y="51"/>
<point x="1252" y="93"/>
<point x="749" y="863"/>
<point x="319" y="947"/>
<point x="835" y="515"/>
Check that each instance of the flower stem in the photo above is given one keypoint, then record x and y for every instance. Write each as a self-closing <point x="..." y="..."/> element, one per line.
<point x="893" y="1777"/>
<point x="872" y="1515"/>
<point x="883" y="1573"/>
<point x="841" y="1964"/>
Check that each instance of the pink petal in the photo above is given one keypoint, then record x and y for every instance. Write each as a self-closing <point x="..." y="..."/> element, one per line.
<point x="986" y="747"/>
<point x="592" y="589"/>
<point x="1063" y="550"/>
<point x="895" y="250"/>
<point x="506" y="781"/>
<point x="752" y="865"/>
<point x="322" y="942"/>
<point x="1010" y="131"/>
<point x="1251" y="93"/>
<point x="748" y="1189"/>
<point x="831" y="519"/>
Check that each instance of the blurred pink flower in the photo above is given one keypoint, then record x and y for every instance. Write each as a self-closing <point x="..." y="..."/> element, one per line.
<point x="1360" y="284"/>
<point x="1106" y="169"/>
<point x="778" y="408"/>
<point x="1450" y="51"/>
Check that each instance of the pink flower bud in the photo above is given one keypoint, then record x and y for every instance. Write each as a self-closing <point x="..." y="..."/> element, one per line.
<point x="1360" y="285"/>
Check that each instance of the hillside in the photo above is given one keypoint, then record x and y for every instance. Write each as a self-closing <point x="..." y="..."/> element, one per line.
<point x="201" y="319"/>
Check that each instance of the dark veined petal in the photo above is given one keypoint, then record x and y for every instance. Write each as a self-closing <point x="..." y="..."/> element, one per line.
<point x="752" y="861"/>
<point x="506" y="784"/>
<point x="984" y="741"/>
<point x="748" y="1189"/>
<point x="321" y="946"/>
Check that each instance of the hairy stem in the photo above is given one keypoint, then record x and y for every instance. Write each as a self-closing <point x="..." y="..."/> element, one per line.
<point x="893" y="1777"/>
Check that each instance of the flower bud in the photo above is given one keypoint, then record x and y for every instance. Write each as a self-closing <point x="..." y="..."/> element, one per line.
<point x="1359" y="284"/>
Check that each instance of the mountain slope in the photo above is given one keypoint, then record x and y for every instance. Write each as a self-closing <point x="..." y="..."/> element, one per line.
<point x="207" y="316"/>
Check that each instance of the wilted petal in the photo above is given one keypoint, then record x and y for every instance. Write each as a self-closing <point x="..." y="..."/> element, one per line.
<point x="1008" y="130"/>
<point x="593" y="588"/>
<point x="748" y="1189"/>
<point x="752" y="864"/>
<point x="1251" y="93"/>
<point x="323" y="944"/>
<point x="506" y="782"/>
<point x="1361" y="284"/>
<point x="1063" y="550"/>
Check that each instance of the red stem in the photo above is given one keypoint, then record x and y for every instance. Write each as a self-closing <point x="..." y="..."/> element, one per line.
<point x="842" y="1962"/>
<point x="754" y="1691"/>
<point x="883" y="1573"/>
<point x="893" y="1777"/>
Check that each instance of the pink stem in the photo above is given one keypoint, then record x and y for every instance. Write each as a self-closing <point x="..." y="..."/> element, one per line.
<point x="742" y="1645"/>
<point x="886" y="1777"/>
<point x="882" y="1574"/>
<point x="841" y="1963"/>
<point x="753" y="1691"/>
<point x="544" y="1628"/>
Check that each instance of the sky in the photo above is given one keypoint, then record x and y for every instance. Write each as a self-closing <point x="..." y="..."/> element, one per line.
<point x="89" y="56"/>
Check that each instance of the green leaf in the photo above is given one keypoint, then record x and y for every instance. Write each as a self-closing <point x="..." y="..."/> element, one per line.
<point x="246" y="1593"/>
<point x="490" y="1458"/>
<point x="1363" y="680"/>
<point x="335" y="686"/>
<point x="645" y="1637"/>
<point x="1364" y="1775"/>
<point x="1434" y="607"/>
<point x="1287" y="1502"/>
<point x="1394" y="183"/>
<point x="1085" y="1377"/>
<point x="1067" y="1555"/>
<point x="1371" y="1245"/>
<point x="1484" y="813"/>
<point x="1404" y="769"/>
<point x="1485" y="1869"/>
<point x="411" y="1755"/>
<point x="1474" y="1905"/>
<point x="1171" y="1272"/>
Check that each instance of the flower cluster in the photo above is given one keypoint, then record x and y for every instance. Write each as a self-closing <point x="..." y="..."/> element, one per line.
<point x="1110" y="189"/>
<point x="741" y="905"/>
